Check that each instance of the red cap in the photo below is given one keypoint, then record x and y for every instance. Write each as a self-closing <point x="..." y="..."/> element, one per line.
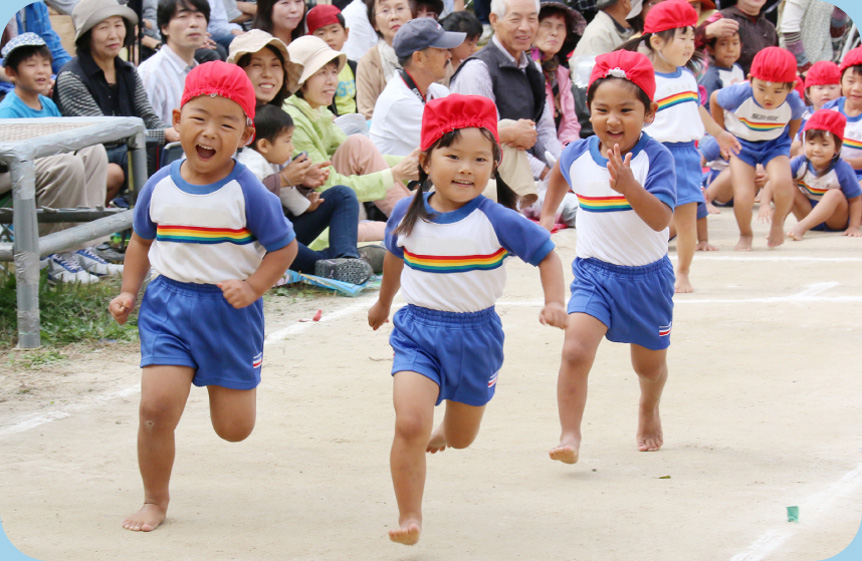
<point x="217" y="78"/>
<point x="456" y="111"/>
<point x="670" y="14"/>
<point x="823" y="73"/>
<point x="827" y="120"/>
<point x="774" y="64"/>
<point x="630" y="65"/>
<point x="852" y="58"/>
<point x="320" y="16"/>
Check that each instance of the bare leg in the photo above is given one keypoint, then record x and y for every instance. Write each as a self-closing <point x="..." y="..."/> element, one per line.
<point x="720" y="190"/>
<point x="583" y="335"/>
<point x="651" y="368"/>
<point x="164" y="391"/>
<point x="685" y="221"/>
<point x="743" y="201"/>
<point x="459" y="427"/>
<point x="232" y="412"/>
<point x="414" y="396"/>
<point x="781" y="182"/>
<point x="116" y="177"/>
<point x="832" y="209"/>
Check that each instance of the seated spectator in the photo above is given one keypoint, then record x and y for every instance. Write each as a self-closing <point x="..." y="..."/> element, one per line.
<point x="62" y="181"/>
<point x="267" y="63"/>
<point x="34" y="18"/>
<point x="309" y="212"/>
<point x="98" y="82"/>
<point x="325" y="21"/>
<point x="422" y="49"/>
<point x="608" y="30"/>
<point x="746" y="18"/>
<point x="464" y="22"/>
<point x="429" y="9"/>
<point x="284" y="19"/>
<point x="356" y="162"/>
<point x="809" y="42"/>
<point x="362" y="34"/>
<point x="380" y="63"/>
<point x="183" y="26"/>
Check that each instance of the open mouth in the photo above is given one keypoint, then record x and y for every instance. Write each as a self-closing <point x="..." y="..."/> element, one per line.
<point x="266" y="86"/>
<point x="463" y="183"/>
<point x="205" y="152"/>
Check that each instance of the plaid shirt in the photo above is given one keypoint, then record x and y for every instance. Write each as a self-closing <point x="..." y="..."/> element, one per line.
<point x="34" y="18"/>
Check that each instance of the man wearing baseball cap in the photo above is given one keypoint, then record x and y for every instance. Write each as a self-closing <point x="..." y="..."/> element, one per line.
<point x="422" y="47"/>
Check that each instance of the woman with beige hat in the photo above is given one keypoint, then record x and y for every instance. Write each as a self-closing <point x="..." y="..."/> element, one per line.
<point x="356" y="162"/>
<point x="97" y="82"/>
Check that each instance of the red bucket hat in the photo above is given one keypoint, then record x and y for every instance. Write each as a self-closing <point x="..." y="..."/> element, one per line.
<point x="827" y="120"/>
<point x="823" y="73"/>
<point x="321" y="16"/>
<point x="629" y="65"/>
<point x="456" y="111"/>
<point x="774" y="64"/>
<point x="217" y="78"/>
<point x="670" y="14"/>
<point x="852" y="58"/>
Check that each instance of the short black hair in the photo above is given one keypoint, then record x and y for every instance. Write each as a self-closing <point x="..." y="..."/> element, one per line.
<point x="856" y="68"/>
<point x="713" y="40"/>
<point x="168" y="9"/>
<point x="464" y="22"/>
<point x="19" y="55"/>
<point x="641" y="95"/>
<point x="435" y="6"/>
<point x="270" y="122"/>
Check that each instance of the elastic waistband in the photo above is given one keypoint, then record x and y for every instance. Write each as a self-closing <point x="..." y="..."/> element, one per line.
<point x="648" y="270"/>
<point x="189" y="288"/>
<point x="429" y="316"/>
<point x="686" y="144"/>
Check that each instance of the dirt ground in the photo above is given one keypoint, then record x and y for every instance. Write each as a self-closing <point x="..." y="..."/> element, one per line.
<point x="762" y="411"/>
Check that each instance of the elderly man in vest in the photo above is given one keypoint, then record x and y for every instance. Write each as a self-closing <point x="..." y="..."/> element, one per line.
<point x="504" y="72"/>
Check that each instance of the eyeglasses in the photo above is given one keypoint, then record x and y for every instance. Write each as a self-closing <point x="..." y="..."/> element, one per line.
<point x="386" y="12"/>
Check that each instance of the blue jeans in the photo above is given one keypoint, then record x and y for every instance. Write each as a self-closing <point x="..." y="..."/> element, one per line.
<point x="340" y="212"/>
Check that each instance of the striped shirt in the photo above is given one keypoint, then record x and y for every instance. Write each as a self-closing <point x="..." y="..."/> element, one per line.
<point x="164" y="76"/>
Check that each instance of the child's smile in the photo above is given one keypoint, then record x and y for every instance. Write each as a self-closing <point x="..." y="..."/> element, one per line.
<point x="460" y="171"/>
<point x="618" y="115"/>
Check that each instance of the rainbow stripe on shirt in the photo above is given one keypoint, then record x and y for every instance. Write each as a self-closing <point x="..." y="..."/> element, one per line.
<point x="676" y="99"/>
<point x="455" y="263"/>
<point x="812" y="191"/>
<point x="603" y="204"/>
<point x="198" y="234"/>
<point x="851" y="143"/>
<point x="760" y="126"/>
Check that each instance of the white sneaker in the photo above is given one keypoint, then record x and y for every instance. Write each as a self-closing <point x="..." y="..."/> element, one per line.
<point x="63" y="267"/>
<point x="93" y="264"/>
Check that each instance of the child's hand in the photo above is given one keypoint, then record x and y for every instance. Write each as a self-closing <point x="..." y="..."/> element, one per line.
<point x="765" y="213"/>
<point x="378" y="315"/>
<point x="239" y="294"/>
<point x="407" y="169"/>
<point x="622" y="177"/>
<point x="728" y="144"/>
<point x="760" y="177"/>
<point x="316" y="175"/>
<point x="293" y="173"/>
<point x="554" y="314"/>
<point x="121" y="306"/>
<point x="316" y="201"/>
<point x="853" y="233"/>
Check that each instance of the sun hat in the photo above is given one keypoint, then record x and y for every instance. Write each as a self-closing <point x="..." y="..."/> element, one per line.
<point x="88" y="13"/>
<point x="255" y="40"/>
<point x="312" y="53"/>
<point x="217" y="78"/>
<point x="827" y="120"/>
<point x="629" y="65"/>
<point x="28" y="39"/>
<point x="774" y="64"/>
<point x="575" y="22"/>
<point x="852" y="58"/>
<point x="456" y="111"/>
<point x="321" y="16"/>
<point x="670" y="14"/>
<point x="823" y="73"/>
<point x="421" y="33"/>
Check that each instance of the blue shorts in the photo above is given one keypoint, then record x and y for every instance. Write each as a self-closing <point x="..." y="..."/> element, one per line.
<point x="823" y="227"/>
<point x="701" y="210"/>
<point x="689" y="174"/>
<point x="189" y="324"/>
<point x="765" y="151"/>
<point x="635" y="303"/>
<point x="461" y="352"/>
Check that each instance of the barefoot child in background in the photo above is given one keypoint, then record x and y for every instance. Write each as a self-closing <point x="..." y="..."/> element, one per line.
<point x="624" y="282"/>
<point x="828" y="197"/>
<point x="218" y="240"/>
<point x="764" y="114"/>
<point x="448" y="340"/>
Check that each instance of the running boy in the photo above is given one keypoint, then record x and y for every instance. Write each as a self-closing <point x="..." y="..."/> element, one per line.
<point x="325" y="21"/>
<point x="828" y="197"/>
<point x="624" y="281"/>
<point x="765" y="115"/>
<point x="218" y="240"/>
<point x="447" y="251"/>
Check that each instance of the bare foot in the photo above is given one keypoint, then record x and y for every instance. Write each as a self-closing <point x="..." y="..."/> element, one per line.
<point x="795" y="233"/>
<point x="407" y="533"/>
<point x="147" y="519"/>
<point x="437" y="442"/>
<point x="776" y="235"/>
<point x="705" y="246"/>
<point x="683" y="284"/>
<point x="744" y="243"/>
<point x="711" y="208"/>
<point x="649" y="431"/>
<point x="567" y="451"/>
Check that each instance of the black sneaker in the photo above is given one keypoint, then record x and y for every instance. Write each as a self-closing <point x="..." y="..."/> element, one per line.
<point x="109" y="253"/>
<point x="354" y="271"/>
<point x="374" y="254"/>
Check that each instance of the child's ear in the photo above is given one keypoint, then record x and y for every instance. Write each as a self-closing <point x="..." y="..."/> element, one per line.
<point x="649" y="116"/>
<point x="422" y="161"/>
<point x="346" y="33"/>
<point x="655" y="42"/>
<point x="263" y="146"/>
<point x="175" y="120"/>
<point x="247" y="136"/>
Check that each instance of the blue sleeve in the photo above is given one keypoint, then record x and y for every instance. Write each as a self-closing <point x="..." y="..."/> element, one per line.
<point x="571" y="153"/>
<point x="517" y="234"/>
<point x="391" y="238"/>
<point x="847" y="179"/>
<point x="711" y="82"/>
<point x="833" y="104"/>
<point x="661" y="178"/>
<point x="143" y="225"/>
<point x="797" y="107"/>
<point x="264" y="216"/>
<point x="709" y="148"/>
<point x="731" y="97"/>
<point x="795" y="164"/>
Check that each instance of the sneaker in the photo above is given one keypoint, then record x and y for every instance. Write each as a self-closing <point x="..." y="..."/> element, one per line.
<point x="109" y="253"/>
<point x="63" y="267"/>
<point x="92" y="263"/>
<point x="354" y="271"/>
<point x="374" y="254"/>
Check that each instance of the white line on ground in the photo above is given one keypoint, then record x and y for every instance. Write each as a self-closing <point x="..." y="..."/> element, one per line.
<point x="762" y="258"/>
<point x="361" y="303"/>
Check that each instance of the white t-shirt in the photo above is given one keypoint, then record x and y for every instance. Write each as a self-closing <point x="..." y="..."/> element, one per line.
<point x="852" y="147"/>
<point x="678" y="116"/>
<point x="396" y="125"/>
<point x="746" y="119"/>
